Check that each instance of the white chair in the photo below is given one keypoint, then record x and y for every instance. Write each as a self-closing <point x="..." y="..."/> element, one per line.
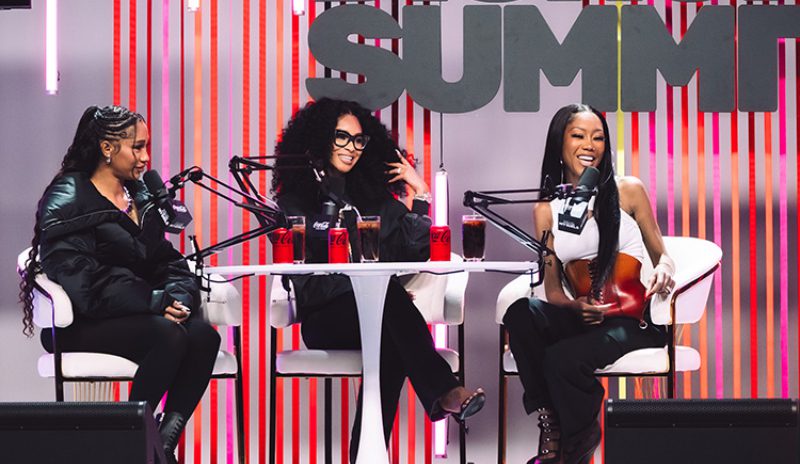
<point x="695" y="262"/>
<point x="52" y="308"/>
<point x="440" y="299"/>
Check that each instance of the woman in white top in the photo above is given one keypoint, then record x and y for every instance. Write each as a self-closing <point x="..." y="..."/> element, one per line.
<point x="558" y="343"/>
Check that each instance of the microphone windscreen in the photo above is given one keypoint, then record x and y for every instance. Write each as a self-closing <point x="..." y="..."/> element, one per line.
<point x="589" y="179"/>
<point x="154" y="183"/>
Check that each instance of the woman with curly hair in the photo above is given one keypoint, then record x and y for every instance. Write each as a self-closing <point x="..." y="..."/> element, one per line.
<point x="98" y="236"/>
<point x="356" y="162"/>
<point x="557" y="344"/>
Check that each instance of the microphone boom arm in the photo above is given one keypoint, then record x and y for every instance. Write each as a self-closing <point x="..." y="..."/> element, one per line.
<point x="268" y="215"/>
<point x="481" y="202"/>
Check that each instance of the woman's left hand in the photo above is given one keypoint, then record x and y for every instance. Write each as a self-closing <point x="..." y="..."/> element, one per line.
<point x="404" y="171"/>
<point x="660" y="281"/>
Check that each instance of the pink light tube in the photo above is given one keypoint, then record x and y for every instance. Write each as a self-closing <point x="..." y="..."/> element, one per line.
<point x="51" y="48"/>
<point x="440" y="427"/>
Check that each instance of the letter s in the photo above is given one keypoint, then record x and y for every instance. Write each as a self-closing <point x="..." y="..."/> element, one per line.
<point x="382" y="69"/>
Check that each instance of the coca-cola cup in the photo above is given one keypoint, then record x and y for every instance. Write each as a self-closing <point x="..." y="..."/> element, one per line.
<point x="440" y="243"/>
<point x="281" y="245"/>
<point x="298" y="224"/>
<point x="369" y="238"/>
<point x="473" y="236"/>
<point x="338" y="245"/>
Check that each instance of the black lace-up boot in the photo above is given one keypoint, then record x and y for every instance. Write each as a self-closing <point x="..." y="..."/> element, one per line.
<point x="170" y="430"/>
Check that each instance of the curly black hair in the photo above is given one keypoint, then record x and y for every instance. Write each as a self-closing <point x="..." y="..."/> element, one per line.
<point x="606" y="206"/>
<point x="110" y="123"/>
<point x="310" y="132"/>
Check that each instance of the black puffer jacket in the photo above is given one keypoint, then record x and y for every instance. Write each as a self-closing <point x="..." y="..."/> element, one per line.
<point x="405" y="236"/>
<point x="108" y="265"/>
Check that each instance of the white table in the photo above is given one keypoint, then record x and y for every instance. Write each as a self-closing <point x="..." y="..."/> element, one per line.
<point x="370" y="281"/>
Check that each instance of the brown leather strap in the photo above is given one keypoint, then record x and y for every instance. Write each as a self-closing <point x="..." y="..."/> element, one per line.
<point x="624" y="289"/>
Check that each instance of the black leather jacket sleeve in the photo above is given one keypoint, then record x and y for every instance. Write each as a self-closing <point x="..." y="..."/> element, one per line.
<point x="96" y="290"/>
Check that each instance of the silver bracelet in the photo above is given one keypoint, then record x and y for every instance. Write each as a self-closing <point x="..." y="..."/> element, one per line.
<point x="426" y="197"/>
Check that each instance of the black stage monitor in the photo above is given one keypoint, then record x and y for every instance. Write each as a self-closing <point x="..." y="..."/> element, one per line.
<point x="15" y="4"/>
<point x="702" y="431"/>
<point x="60" y="432"/>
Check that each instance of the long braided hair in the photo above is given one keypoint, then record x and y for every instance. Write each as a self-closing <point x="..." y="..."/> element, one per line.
<point x="606" y="205"/>
<point x="97" y="124"/>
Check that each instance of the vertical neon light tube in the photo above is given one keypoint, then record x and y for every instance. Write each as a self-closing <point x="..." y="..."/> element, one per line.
<point x="440" y="203"/>
<point x="440" y="198"/>
<point x="299" y="7"/>
<point x="51" y="48"/>
<point x="440" y="427"/>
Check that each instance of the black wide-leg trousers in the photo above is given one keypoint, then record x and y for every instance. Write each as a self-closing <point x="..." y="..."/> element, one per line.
<point x="556" y="356"/>
<point x="407" y="350"/>
<point x="172" y="357"/>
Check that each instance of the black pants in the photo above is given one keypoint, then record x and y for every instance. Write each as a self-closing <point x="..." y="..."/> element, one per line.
<point x="556" y="355"/>
<point x="178" y="358"/>
<point x="407" y="350"/>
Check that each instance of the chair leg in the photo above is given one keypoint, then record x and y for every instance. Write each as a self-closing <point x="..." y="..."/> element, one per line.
<point x="462" y="427"/>
<point x="327" y="408"/>
<point x="239" y="385"/>
<point x="272" y="398"/>
<point x="501" y="421"/>
<point x="240" y="418"/>
<point x="59" y="389"/>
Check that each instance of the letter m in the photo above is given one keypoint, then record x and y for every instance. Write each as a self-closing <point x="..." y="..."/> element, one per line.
<point x="530" y="46"/>
<point x="707" y="48"/>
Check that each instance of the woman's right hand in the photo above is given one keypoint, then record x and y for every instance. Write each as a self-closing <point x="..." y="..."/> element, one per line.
<point x="589" y="312"/>
<point x="176" y="312"/>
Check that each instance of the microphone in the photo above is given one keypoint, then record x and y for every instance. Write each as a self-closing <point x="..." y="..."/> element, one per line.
<point x="575" y="211"/>
<point x="173" y="213"/>
<point x="193" y="174"/>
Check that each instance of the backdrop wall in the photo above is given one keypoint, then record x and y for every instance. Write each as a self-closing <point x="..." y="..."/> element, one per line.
<point x="222" y="81"/>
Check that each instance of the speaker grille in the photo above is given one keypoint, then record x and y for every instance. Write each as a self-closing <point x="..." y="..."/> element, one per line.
<point x="73" y="416"/>
<point x="702" y="413"/>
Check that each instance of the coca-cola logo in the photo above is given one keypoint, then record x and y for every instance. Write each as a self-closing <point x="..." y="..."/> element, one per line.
<point x="339" y="239"/>
<point x="440" y="236"/>
<point x="320" y="225"/>
<point x="282" y="237"/>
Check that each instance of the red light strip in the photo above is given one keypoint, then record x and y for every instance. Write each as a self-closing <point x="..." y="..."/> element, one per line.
<point x="735" y="262"/>
<point x="116" y="70"/>
<point x="245" y="329"/>
<point x="262" y="258"/>
<point x="197" y="198"/>
<point x="132" y="56"/>
<point x="753" y="236"/>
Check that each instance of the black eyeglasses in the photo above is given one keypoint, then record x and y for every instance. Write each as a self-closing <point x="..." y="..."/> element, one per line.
<point x="342" y="138"/>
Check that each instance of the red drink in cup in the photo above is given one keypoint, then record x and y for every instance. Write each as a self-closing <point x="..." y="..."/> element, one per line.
<point x="338" y="245"/>
<point x="473" y="236"/>
<point x="369" y="238"/>
<point x="281" y="245"/>
<point x="440" y="243"/>
<point x="298" y="224"/>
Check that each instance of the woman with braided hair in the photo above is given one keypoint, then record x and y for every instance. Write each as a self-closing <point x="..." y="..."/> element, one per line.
<point x="98" y="236"/>
<point x="557" y="344"/>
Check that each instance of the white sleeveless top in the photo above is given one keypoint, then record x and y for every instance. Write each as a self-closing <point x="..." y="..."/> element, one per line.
<point x="569" y="247"/>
